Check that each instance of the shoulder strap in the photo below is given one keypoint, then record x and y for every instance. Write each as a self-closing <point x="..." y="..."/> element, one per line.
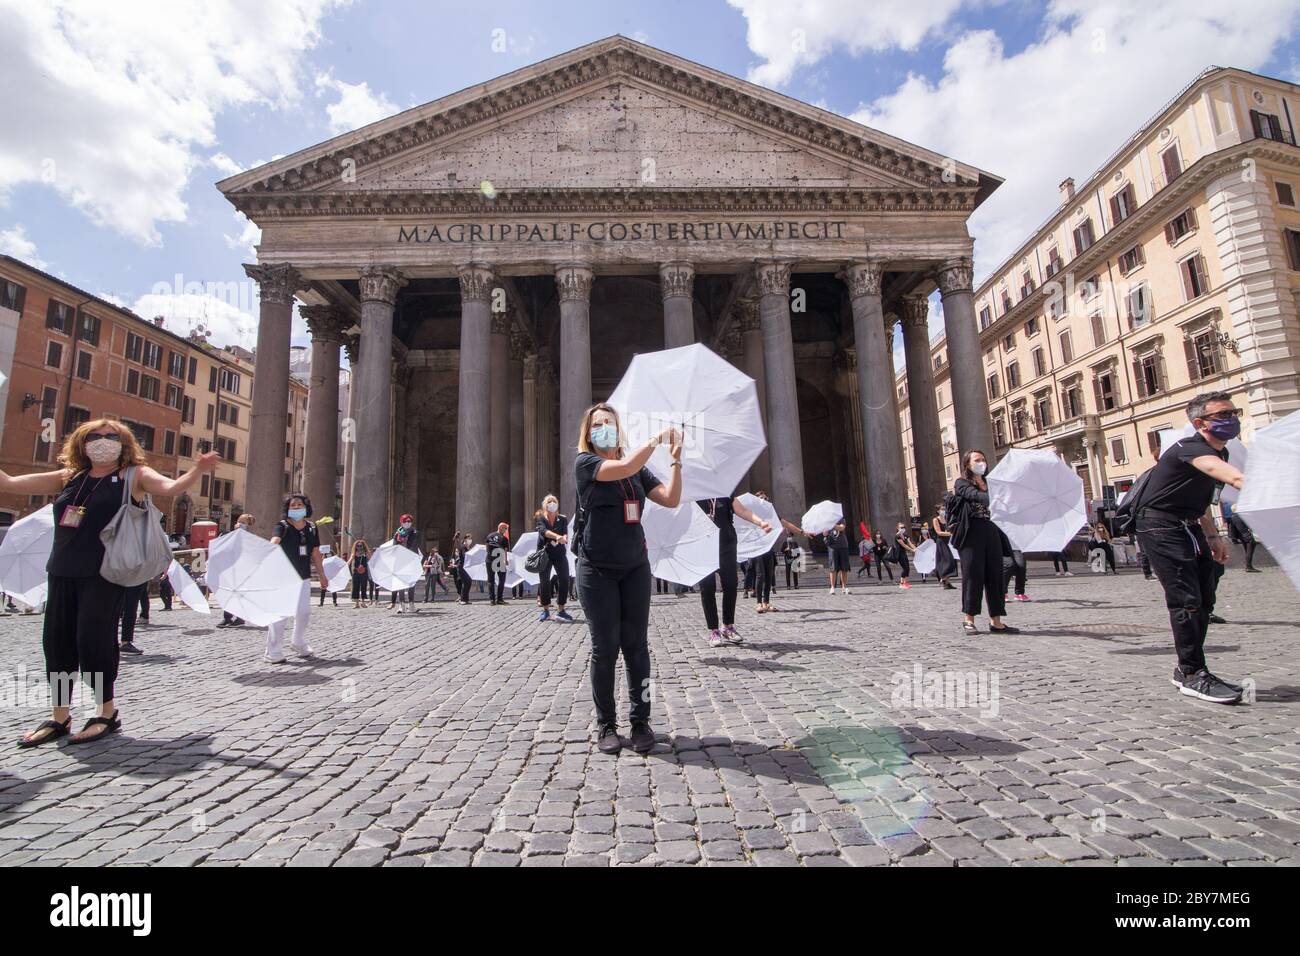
<point x="126" y="483"/>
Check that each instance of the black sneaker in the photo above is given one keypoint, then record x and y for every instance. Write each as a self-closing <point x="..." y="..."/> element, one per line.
<point x="1215" y="619"/>
<point x="1180" y="678"/>
<point x="643" y="738"/>
<point x="607" y="739"/>
<point x="1205" y="686"/>
<point x="129" y="648"/>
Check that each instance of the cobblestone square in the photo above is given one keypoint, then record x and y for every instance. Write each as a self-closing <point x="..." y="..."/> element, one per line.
<point x="859" y="730"/>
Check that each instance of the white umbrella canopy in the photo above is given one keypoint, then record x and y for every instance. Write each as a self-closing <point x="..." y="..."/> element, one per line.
<point x="1036" y="499"/>
<point x="822" y="516"/>
<point x="252" y="578"/>
<point x="23" y="555"/>
<point x="475" y="563"/>
<point x="751" y="540"/>
<point x="394" y="567"/>
<point x="525" y="546"/>
<point x="338" y="577"/>
<point x="1270" y="495"/>
<point x="682" y="542"/>
<point x="712" y="402"/>
<point x="189" y="592"/>
<point x="927" y="555"/>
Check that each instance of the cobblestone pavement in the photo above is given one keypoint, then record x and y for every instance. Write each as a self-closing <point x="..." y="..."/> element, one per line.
<point x="462" y="736"/>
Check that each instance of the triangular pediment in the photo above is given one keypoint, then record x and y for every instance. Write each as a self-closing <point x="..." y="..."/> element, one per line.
<point x="615" y="114"/>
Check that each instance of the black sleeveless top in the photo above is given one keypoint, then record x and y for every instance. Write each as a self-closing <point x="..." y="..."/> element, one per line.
<point x="78" y="552"/>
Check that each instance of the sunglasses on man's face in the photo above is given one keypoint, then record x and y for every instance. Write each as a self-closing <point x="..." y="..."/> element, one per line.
<point x="110" y="436"/>
<point x="1226" y="415"/>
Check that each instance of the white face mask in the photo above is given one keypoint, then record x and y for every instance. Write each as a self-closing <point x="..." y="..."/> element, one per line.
<point x="979" y="467"/>
<point x="552" y="507"/>
<point x="102" y="451"/>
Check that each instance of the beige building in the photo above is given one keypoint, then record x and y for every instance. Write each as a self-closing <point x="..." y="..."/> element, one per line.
<point x="1172" y="270"/>
<point x="216" y="414"/>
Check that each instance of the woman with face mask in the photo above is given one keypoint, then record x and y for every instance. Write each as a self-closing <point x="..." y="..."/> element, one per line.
<point x="881" y="552"/>
<point x="359" y="562"/>
<point x="945" y="565"/>
<point x="899" y="552"/>
<point x="981" y="545"/>
<point x="300" y="541"/>
<point x="462" y="575"/>
<point x="408" y="538"/>
<point x="82" y="609"/>
<point x="244" y="523"/>
<point x="553" y="531"/>
<point x="613" y="566"/>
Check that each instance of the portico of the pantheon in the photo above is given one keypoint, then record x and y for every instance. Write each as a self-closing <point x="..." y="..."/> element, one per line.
<point x="492" y="260"/>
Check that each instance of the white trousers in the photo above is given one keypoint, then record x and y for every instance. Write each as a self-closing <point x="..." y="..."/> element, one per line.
<point x="301" y="618"/>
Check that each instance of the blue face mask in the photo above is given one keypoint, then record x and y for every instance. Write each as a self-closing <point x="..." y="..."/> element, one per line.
<point x="604" y="436"/>
<point x="1224" y="431"/>
<point x="297" y="514"/>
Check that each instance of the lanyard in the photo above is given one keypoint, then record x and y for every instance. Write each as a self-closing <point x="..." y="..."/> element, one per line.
<point x="77" y="499"/>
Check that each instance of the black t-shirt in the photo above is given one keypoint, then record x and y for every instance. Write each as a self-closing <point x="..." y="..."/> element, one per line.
<point x="1176" y="486"/>
<point x="607" y="540"/>
<point x="837" y="540"/>
<point x="298" y="545"/>
<point x="561" y="527"/>
<point x="78" y="552"/>
<point x="722" y="514"/>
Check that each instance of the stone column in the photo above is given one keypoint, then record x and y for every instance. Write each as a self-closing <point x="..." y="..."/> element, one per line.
<point x="784" y="443"/>
<point x="499" y="412"/>
<point x="473" y="444"/>
<point x="351" y="345"/>
<point x="574" y="285"/>
<point x="532" y="444"/>
<point x="852" y="397"/>
<point x="750" y="331"/>
<point x="891" y="319"/>
<point x="1095" y="447"/>
<point x="965" y="358"/>
<point x="676" y="281"/>
<point x="518" y="516"/>
<point x="927" y="445"/>
<point x="320" y="468"/>
<point x="264" y="494"/>
<point x="878" y="402"/>
<point x="373" y="456"/>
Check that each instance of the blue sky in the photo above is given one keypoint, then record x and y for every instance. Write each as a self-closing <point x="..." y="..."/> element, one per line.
<point x="131" y="111"/>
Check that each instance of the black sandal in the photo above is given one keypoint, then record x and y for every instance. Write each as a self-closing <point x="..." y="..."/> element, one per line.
<point x="114" y="724"/>
<point x="58" y="730"/>
<point x="1004" y="629"/>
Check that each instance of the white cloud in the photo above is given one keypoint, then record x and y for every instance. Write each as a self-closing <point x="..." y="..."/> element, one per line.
<point x="249" y="236"/>
<point x="224" y="164"/>
<point x="790" y="35"/>
<point x="14" y="242"/>
<point x="1062" y="105"/>
<point x="118" y="99"/>
<point x="184" y="312"/>
<point x="356" y="106"/>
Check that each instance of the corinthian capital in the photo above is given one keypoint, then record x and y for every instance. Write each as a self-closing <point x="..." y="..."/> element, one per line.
<point x="325" y="322"/>
<point x="476" y="282"/>
<point x="747" y="317"/>
<point x="381" y="284"/>
<point x="276" y="283"/>
<point x="352" y="345"/>
<point x="862" y="278"/>
<point x="916" y="310"/>
<point x="676" y="279"/>
<point x="773" y="278"/>
<point x="574" y="283"/>
<point x="955" y="276"/>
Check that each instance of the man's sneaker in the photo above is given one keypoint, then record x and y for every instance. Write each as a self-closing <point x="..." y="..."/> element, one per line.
<point x="273" y="660"/>
<point x="1250" y="570"/>
<point x="128" y="648"/>
<point x="607" y="739"/>
<point x="564" y="616"/>
<point x="643" y="738"/>
<point x="304" y="650"/>
<point x="731" y="634"/>
<point x="545" y="615"/>
<point x="1067" y="574"/>
<point x="1180" y="678"/>
<point x="715" y="638"/>
<point x="1205" y="686"/>
<point x="1215" y="619"/>
<point x="905" y="585"/>
<point x="1022" y="597"/>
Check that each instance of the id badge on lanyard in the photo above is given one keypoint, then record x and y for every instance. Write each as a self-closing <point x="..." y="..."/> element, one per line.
<point x="631" y="506"/>
<point x="72" y="516"/>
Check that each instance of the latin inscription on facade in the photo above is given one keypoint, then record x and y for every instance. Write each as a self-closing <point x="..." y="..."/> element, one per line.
<point x="618" y="231"/>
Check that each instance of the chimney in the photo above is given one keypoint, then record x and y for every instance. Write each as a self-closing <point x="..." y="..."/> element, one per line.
<point x="1067" y="190"/>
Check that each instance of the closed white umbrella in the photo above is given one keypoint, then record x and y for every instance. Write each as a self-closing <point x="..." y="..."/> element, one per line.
<point x="1270" y="495"/>
<point x="751" y="540"/>
<point x="712" y="402"/>
<point x="682" y="542"/>
<point x="822" y="516"/>
<point x="23" y="555"/>
<point x="927" y="556"/>
<point x="252" y="578"/>
<point x="191" y="594"/>
<point x="1036" y="499"/>
<point x="394" y="567"/>
<point x="338" y="577"/>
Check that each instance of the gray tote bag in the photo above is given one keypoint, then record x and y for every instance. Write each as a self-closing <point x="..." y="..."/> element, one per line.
<point x="135" y="546"/>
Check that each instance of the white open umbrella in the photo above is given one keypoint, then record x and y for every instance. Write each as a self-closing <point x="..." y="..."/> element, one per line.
<point x="338" y="577"/>
<point x="682" y="542"/>
<point x="191" y="594"/>
<point x="1037" y="499"/>
<point x="475" y="563"/>
<point x="1270" y="495"/>
<point x="525" y="546"/>
<point x="23" y="555"/>
<point x="927" y="555"/>
<point x="822" y="516"/>
<point x="252" y="578"/>
<point x="712" y="402"/>
<point x="751" y="540"/>
<point x="394" y="567"/>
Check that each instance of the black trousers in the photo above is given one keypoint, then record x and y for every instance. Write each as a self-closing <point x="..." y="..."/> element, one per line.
<point x="765" y="577"/>
<point x="80" y="635"/>
<point x="333" y="594"/>
<point x="360" y="587"/>
<point x="165" y="593"/>
<point x="463" y="581"/>
<point x="789" y="570"/>
<point x="1059" y="563"/>
<point x="709" y="587"/>
<point x="882" y="564"/>
<point x="981" y="569"/>
<point x="556" y="579"/>
<point x="1016" y="568"/>
<point x="751" y="574"/>
<point x="1180" y="558"/>
<point x="1105" y="548"/>
<point x="496" y="585"/>
<point x="904" y="569"/>
<point x="617" y="607"/>
<point x="137" y="602"/>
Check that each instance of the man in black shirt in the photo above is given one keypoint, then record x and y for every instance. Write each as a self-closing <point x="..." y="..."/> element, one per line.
<point x="498" y="547"/>
<point x="1177" y="534"/>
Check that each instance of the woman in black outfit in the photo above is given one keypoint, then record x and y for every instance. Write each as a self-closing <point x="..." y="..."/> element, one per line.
<point x="980" y="543"/>
<point x="462" y="575"/>
<point x="360" y="564"/>
<point x="945" y="565"/>
<point x="613" y="567"/>
<point x="881" y="552"/>
<point x="721" y="512"/>
<point x="553" y="530"/>
<point x="1099" y="539"/>
<point x="82" y="610"/>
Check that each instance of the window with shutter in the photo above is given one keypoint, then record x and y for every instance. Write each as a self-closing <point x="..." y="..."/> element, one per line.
<point x="1067" y="347"/>
<point x="1098" y="329"/>
<point x="1292" y="241"/>
<point x="1083" y="237"/>
<point x="1285" y="194"/>
<point x="1172" y="163"/>
<point x="1139" y="379"/>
